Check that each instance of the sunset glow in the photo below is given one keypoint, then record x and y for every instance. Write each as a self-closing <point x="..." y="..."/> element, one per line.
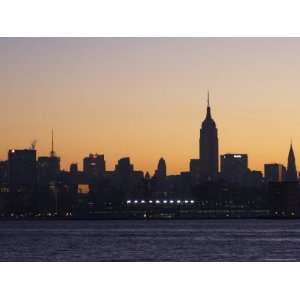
<point x="146" y="97"/>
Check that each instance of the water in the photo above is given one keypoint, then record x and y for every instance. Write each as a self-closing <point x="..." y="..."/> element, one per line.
<point x="166" y="240"/>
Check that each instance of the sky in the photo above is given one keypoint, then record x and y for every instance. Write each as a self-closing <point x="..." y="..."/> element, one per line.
<point x="146" y="97"/>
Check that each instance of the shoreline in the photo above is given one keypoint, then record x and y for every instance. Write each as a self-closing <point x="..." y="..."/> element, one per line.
<point x="119" y="218"/>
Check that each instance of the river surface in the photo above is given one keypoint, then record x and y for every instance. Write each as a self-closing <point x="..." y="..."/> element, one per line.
<point x="155" y="240"/>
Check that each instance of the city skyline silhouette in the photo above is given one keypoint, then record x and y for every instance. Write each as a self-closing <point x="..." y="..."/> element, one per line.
<point x="111" y="96"/>
<point x="208" y="118"/>
<point x="35" y="186"/>
<point x="291" y="160"/>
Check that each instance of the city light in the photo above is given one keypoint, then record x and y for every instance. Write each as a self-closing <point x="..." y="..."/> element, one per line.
<point x="160" y="201"/>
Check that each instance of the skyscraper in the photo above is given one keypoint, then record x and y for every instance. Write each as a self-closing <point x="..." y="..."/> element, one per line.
<point x="22" y="169"/>
<point x="291" y="174"/>
<point x="274" y="173"/>
<point x="124" y="168"/>
<point x="161" y="171"/>
<point x="48" y="167"/>
<point x="160" y="177"/>
<point x="94" y="165"/>
<point x="209" y="147"/>
<point x="234" y="167"/>
<point x="195" y="171"/>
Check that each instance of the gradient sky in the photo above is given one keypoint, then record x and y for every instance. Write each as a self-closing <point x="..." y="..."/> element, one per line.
<point x="146" y="97"/>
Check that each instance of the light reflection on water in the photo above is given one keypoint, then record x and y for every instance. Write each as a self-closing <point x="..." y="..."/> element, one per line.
<point x="168" y="240"/>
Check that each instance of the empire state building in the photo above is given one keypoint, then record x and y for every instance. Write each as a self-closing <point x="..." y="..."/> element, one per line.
<point x="209" y="147"/>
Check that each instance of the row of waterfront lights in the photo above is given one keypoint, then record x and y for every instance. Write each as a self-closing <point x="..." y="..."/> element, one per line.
<point x="160" y="201"/>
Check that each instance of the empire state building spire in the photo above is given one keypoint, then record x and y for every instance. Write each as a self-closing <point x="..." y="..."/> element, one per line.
<point x="207" y="98"/>
<point x="208" y="112"/>
<point x="291" y="174"/>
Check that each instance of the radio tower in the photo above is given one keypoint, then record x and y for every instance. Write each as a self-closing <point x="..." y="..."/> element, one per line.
<point x="52" y="153"/>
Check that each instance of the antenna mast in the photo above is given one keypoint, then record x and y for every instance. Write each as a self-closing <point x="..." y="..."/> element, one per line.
<point x="52" y="153"/>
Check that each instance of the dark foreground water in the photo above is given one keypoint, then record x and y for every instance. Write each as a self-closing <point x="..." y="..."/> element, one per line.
<point x="197" y="240"/>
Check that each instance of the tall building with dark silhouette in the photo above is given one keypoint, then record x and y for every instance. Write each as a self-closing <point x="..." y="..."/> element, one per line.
<point x="209" y="147"/>
<point x="3" y="172"/>
<point x="275" y="173"/>
<point x="195" y="171"/>
<point x="94" y="165"/>
<point x="234" y="167"/>
<point x="48" y="167"/>
<point x="126" y="178"/>
<point x="73" y="168"/>
<point x="22" y="169"/>
<point x="291" y="174"/>
<point x="160" y="177"/>
<point x="124" y="168"/>
<point x="161" y="171"/>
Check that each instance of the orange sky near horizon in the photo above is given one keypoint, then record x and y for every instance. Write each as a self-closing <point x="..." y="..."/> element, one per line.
<point x="146" y="97"/>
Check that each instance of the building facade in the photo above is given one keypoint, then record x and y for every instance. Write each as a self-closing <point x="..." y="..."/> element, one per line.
<point x="234" y="167"/>
<point x="22" y="170"/>
<point x="209" y="147"/>
<point x="274" y="173"/>
<point x="94" y="166"/>
<point x="291" y="173"/>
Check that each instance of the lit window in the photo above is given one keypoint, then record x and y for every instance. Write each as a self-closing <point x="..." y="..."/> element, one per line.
<point x="83" y="189"/>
